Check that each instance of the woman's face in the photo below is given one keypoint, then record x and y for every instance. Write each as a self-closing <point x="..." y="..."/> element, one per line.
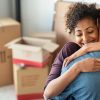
<point x="86" y="31"/>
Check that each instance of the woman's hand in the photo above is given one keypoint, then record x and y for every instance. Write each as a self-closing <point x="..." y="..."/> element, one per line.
<point x="83" y="50"/>
<point x="68" y="59"/>
<point x="93" y="46"/>
<point x="89" y="65"/>
<point x="78" y="53"/>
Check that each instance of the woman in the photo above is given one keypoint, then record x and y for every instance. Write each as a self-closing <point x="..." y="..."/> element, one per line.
<point x="82" y="21"/>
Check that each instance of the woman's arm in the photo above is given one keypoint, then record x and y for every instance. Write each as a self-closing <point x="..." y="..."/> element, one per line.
<point x="85" y="49"/>
<point x="67" y="50"/>
<point x="57" y="85"/>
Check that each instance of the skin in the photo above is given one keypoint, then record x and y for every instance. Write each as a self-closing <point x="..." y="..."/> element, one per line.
<point x="87" y="37"/>
<point x="86" y="32"/>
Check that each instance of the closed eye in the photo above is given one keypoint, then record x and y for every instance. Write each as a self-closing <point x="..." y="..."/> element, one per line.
<point x="90" y="31"/>
<point x="78" y="34"/>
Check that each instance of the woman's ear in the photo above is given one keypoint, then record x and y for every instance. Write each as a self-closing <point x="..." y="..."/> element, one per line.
<point x="98" y="21"/>
<point x="99" y="27"/>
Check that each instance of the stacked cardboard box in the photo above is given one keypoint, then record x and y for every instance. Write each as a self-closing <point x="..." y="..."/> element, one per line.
<point x="9" y="30"/>
<point x="31" y="59"/>
<point x="47" y="35"/>
<point x="61" y="9"/>
<point x="29" y="82"/>
<point x="32" y="51"/>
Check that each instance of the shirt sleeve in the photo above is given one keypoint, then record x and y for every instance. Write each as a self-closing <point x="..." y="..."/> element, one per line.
<point x="68" y="49"/>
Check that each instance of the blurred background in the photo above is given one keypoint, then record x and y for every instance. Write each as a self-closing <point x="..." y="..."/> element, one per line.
<point x="42" y="22"/>
<point x="36" y="15"/>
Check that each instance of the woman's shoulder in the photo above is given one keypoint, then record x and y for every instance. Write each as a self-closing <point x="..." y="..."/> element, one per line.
<point x="71" y="46"/>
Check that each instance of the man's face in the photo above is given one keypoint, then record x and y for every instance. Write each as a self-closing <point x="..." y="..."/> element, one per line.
<point x="86" y="31"/>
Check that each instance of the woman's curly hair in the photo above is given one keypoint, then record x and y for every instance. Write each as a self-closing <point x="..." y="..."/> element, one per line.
<point x="79" y="11"/>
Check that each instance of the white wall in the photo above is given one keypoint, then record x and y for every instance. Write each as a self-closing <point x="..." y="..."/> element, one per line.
<point x="5" y="8"/>
<point x="37" y="15"/>
<point x="13" y="8"/>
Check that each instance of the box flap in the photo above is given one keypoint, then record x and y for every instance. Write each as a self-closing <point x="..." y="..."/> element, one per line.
<point x="15" y="45"/>
<point x="50" y="46"/>
<point x="25" y="47"/>
<point x="34" y="44"/>
<point x="9" y="44"/>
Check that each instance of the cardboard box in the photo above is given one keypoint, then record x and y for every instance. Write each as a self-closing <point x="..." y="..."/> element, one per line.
<point x="6" y="70"/>
<point x="9" y="30"/>
<point x="32" y="51"/>
<point x="45" y="35"/>
<point x="61" y="9"/>
<point x="29" y="82"/>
